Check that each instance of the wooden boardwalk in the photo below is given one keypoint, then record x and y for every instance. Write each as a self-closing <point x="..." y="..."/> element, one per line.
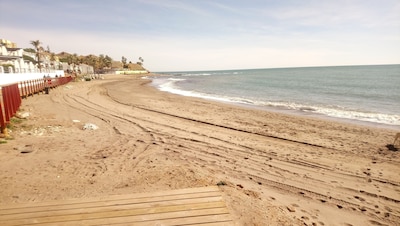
<point x="192" y="206"/>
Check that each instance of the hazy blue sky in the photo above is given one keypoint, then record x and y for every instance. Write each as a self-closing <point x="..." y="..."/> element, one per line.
<point x="177" y="35"/>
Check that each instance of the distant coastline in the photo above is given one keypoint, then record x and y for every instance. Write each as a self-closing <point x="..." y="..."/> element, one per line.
<point x="283" y="67"/>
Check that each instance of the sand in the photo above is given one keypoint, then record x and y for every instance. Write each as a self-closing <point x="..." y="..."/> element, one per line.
<point x="273" y="168"/>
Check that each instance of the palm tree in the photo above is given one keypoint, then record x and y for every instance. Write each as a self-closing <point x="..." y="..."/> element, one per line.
<point x="92" y="60"/>
<point x="52" y="60"/>
<point x="36" y="44"/>
<point x="124" y="60"/>
<point x="140" y="62"/>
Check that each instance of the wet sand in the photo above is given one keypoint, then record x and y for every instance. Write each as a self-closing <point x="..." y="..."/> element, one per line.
<point x="273" y="168"/>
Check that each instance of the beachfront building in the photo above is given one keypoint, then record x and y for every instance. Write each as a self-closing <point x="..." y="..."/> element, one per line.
<point x="77" y="68"/>
<point x="14" y="65"/>
<point x="11" y="58"/>
<point x="12" y="61"/>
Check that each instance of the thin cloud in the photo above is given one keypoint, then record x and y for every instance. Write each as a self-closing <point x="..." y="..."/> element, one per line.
<point x="221" y="34"/>
<point x="178" y="6"/>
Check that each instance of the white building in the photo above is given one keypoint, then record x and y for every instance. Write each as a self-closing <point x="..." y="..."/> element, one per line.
<point x="13" y="67"/>
<point x="80" y="68"/>
<point x="12" y="61"/>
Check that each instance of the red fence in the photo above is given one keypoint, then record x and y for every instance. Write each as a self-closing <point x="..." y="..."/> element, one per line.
<point x="12" y="94"/>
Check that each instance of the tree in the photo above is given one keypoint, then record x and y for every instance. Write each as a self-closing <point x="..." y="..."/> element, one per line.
<point x="91" y="60"/>
<point x="123" y="60"/>
<point x="101" y="61"/>
<point x="72" y="60"/>
<point x="140" y="62"/>
<point x="37" y="46"/>
<point x="108" y="61"/>
<point x="28" y="58"/>
<point x="52" y="59"/>
<point x="30" y="50"/>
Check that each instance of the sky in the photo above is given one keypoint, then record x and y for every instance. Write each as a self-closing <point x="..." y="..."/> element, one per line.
<point x="190" y="35"/>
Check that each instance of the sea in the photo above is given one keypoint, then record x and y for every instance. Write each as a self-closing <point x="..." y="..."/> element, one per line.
<point x="362" y="94"/>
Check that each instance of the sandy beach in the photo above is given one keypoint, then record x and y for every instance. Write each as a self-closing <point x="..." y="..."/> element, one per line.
<point x="273" y="168"/>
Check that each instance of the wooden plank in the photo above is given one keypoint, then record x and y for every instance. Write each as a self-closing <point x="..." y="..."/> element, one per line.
<point x="101" y="216"/>
<point x="227" y="223"/>
<point x="139" y="202"/>
<point x="96" y="209"/>
<point x="185" y="221"/>
<point x="110" y="214"/>
<point x="112" y="197"/>
<point x="193" y="206"/>
<point x="219" y="215"/>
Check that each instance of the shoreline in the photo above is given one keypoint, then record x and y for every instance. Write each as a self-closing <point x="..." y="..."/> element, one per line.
<point x="283" y="110"/>
<point x="278" y="169"/>
<point x="320" y="116"/>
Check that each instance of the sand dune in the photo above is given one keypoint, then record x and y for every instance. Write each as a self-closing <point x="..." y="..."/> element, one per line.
<point x="273" y="168"/>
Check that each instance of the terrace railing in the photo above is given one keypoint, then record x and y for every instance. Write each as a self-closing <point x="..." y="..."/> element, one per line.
<point x="12" y="94"/>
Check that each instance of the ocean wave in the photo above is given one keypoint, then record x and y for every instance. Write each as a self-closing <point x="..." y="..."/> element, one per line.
<point x="332" y="111"/>
<point x="336" y="112"/>
<point x="188" y="74"/>
<point x="361" y="116"/>
<point x="169" y="85"/>
<point x="176" y="79"/>
<point x="195" y="74"/>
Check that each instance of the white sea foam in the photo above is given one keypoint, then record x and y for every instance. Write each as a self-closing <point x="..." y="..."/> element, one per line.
<point x="337" y="112"/>
<point x="194" y="74"/>
<point x="334" y="111"/>
<point x="354" y="93"/>
<point x="169" y="86"/>
<point x="198" y="74"/>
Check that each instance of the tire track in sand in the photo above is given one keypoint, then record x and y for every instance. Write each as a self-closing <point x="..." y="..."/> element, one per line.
<point x="200" y="148"/>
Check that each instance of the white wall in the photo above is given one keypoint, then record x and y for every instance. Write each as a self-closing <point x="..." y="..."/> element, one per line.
<point x="9" y="78"/>
<point x="131" y="72"/>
